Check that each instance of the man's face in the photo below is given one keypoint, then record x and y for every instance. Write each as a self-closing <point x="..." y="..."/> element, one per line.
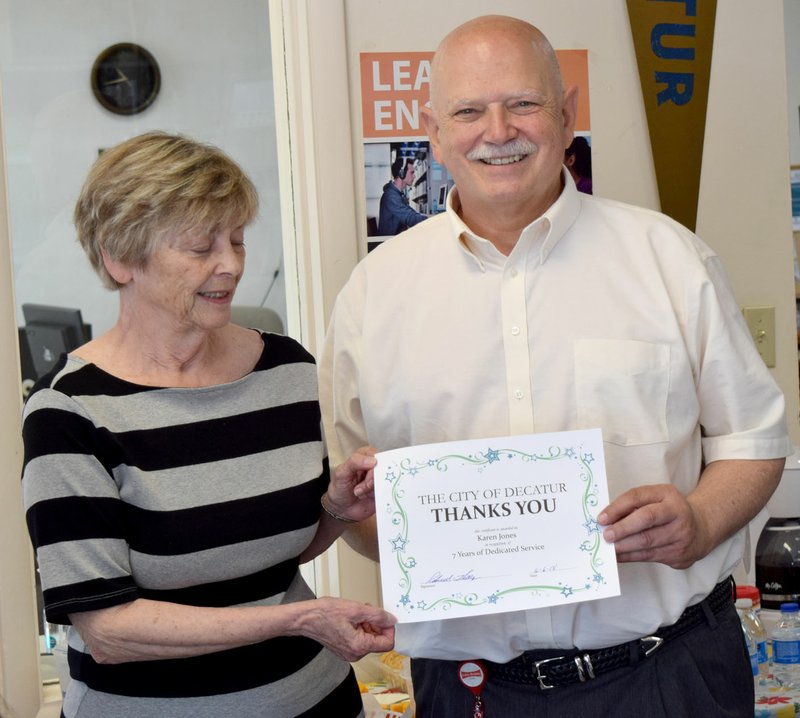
<point x="409" y="178"/>
<point x="499" y="126"/>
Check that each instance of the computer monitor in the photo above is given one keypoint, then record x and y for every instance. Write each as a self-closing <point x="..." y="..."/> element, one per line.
<point x="51" y="331"/>
<point x="442" y="196"/>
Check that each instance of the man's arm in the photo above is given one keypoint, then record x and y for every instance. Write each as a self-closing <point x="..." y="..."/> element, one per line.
<point x="403" y="212"/>
<point x="657" y="523"/>
<point x="363" y="538"/>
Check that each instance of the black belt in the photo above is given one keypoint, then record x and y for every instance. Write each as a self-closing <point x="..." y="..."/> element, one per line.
<point x="581" y="666"/>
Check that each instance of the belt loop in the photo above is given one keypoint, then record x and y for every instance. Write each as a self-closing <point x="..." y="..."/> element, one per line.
<point x="633" y="651"/>
<point x="711" y="619"/>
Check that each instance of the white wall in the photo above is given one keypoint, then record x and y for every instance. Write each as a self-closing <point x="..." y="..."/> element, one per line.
<point x="216" y="79"/>
<point x="20" y="688"/>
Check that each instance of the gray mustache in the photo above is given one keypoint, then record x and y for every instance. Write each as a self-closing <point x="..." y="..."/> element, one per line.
<point x="493" y="152"/>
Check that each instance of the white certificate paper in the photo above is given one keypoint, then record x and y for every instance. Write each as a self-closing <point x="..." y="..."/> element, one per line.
<point x="474" y="527"/>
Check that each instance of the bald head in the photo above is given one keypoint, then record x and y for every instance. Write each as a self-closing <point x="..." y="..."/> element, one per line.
<point x="488" y="35"/>
<point x="500" y="120"/>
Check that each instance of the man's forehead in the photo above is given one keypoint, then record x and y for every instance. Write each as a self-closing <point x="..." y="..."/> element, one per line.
<point x="487" y="63"/>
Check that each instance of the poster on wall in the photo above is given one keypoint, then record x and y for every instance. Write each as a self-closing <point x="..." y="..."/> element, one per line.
<point x="403" y="182"/>
<point x="794" y="175"/>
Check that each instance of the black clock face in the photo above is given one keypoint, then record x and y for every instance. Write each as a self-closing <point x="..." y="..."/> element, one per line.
<point x="125" y="78"/>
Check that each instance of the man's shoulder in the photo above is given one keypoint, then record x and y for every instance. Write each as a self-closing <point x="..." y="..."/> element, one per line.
<point x="428" y="236"/>
<point x="634" y="223"/>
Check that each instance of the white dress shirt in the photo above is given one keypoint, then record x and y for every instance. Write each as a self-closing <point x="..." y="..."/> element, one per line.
<point x="603" y="315"/>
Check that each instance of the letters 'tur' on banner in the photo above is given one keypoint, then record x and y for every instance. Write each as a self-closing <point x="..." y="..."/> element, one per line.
<point x="674" y="41"/>
<point x="395" y="86"/>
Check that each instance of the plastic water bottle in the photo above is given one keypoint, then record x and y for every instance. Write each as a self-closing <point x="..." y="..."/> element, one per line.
<point x="754" y="631"/>
<point x="786" y="647"/>
<point x="749" y="638"/>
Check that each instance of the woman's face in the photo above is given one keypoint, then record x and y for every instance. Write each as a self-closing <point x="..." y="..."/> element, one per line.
<point x="190" y="279"/>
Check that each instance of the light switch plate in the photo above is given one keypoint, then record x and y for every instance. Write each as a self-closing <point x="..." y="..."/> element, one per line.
<point x="761" y="321"/>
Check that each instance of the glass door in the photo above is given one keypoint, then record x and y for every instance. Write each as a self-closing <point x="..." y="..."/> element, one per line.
<point x="198" y="67"/>
<point x="204" y="70"/>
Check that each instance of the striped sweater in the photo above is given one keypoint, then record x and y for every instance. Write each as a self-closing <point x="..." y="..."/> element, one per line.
<point x="199" y="496"/>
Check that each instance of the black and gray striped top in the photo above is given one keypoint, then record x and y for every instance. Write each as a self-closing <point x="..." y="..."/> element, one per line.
<point x="201" y="496"/>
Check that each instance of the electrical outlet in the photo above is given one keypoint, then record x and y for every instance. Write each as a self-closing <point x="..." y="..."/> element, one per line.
<point x="761" y="321"/>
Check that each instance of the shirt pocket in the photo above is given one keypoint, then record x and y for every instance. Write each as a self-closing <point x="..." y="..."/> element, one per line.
<point x="621" y="386"/>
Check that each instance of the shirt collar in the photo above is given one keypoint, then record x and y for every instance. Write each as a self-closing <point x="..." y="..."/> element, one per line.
<point x="543" y="233"/>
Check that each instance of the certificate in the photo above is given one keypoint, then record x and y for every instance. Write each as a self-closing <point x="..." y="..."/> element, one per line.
<point x="486" y="526"/>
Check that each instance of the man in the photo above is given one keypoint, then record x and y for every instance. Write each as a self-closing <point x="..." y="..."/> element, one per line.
<point x="528" y="307"/>
<point x="395" y="215"/>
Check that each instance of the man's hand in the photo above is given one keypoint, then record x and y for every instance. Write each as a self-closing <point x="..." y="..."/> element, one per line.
<point x="655" y="523"/>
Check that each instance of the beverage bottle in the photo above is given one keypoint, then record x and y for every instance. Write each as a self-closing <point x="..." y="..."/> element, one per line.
<point x="786" y="647"/>
<point x="754" y="629"/>
<point x="742" y="605"/>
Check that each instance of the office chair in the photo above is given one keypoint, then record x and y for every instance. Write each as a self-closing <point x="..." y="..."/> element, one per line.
<point x="253" y="317"/>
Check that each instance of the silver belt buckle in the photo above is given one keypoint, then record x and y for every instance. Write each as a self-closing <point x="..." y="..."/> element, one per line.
<point x="540" y="676"/>
<point x="650" y="644"/>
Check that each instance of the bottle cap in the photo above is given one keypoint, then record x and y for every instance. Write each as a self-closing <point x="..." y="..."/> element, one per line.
<point x="744" y="603"/>
<point x="789" y="607"/>
<point x="750" y="592"/>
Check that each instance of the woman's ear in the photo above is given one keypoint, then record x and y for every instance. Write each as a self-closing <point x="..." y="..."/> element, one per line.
<point x="118" y="271"/>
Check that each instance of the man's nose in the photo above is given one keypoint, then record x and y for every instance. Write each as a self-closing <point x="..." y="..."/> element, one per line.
<point x="499" y="125"/>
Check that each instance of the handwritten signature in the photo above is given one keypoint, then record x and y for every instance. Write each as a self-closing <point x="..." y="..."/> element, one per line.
<point x="439" y="577"/>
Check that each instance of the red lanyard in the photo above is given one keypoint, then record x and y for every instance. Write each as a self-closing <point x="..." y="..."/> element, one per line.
<point x="473" y="675"/>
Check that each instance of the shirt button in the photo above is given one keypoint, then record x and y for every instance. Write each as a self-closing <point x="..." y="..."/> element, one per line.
<point x="515" y="331"/>
<point x="519" y="394"/>
<point x="513" y="272"/>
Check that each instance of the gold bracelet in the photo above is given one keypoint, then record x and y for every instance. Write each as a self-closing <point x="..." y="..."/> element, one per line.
<point x="333" y="514"/>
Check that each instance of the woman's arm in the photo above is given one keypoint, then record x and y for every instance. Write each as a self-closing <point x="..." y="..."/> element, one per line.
<point x="145" y="630"/>
<point x="350" y="497"/>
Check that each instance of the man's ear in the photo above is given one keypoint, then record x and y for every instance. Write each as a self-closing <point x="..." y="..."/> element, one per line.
<point x="569" y="113"/>
<point x="120" y="272"/>
<point x="432" y="130"/>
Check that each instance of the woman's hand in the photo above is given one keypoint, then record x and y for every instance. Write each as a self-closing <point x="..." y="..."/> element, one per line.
<point x="349" y="499"/>
<point x="147" y="630"/>
<point x="351" y="494"/>
<point x="347" y="628"/>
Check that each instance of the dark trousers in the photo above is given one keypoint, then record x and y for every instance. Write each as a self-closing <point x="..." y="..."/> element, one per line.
<point x="706" y="672"/>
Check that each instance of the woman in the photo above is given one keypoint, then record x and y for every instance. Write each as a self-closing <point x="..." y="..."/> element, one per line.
<point x="174" y="470"/>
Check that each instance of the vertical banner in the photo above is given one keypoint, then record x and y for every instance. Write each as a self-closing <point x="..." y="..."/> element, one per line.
<point x="674" y="41"/>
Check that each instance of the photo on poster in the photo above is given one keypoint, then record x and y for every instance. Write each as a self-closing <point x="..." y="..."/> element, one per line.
<point x="578" y="160"/>
<point x="404" y="185"/>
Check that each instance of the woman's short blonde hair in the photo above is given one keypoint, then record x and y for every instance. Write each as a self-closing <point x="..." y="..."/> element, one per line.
<point x="154" y="184"/>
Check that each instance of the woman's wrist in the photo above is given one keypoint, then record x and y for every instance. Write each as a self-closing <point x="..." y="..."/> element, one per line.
<point x="324" y="501"/>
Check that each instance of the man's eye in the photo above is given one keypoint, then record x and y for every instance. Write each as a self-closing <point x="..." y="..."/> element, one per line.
<point x="465" y="111"/>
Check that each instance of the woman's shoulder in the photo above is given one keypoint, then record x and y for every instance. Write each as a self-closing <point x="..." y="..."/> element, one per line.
<point x="282" y="349"/>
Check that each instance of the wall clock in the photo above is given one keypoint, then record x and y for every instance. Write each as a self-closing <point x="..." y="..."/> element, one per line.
<point x="125" y="78"/>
